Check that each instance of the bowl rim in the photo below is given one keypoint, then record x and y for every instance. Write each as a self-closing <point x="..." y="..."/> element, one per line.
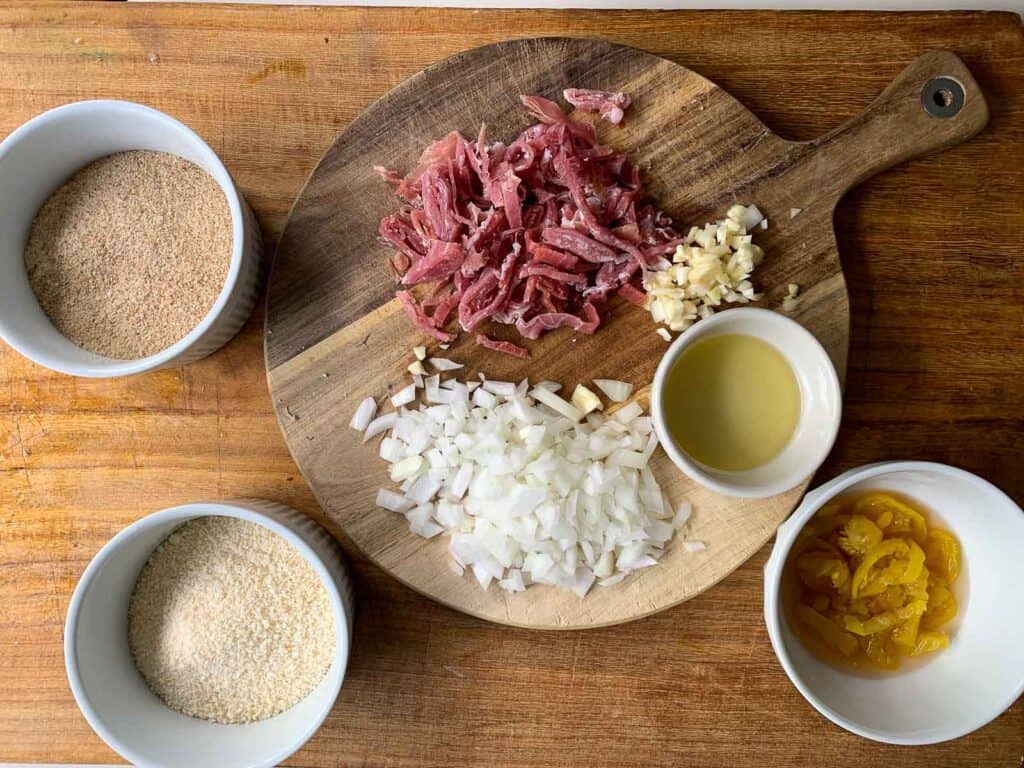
<point x="184" y="513"/>
<point x="784" y="540"/>
<point x="746" y="316"/>
<point x="112" y="367"/>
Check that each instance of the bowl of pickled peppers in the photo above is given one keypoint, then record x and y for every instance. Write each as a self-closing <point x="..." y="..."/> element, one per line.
<point x="887" y="601"/>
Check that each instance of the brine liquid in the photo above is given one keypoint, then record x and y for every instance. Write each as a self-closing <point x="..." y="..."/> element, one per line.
<point x="731" y="402"/>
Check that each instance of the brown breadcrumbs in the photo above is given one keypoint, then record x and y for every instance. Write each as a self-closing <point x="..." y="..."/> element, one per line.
<point x="228" y="622"/>
<point x="130" y="253"/>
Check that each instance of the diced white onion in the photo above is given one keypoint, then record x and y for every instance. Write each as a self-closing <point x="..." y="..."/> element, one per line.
<point x="528" y="490"/>
<point x="682" y="516"/>
<point x="380" y="424"/>
<point x="443" y="364"/>
<point x="364" y="414"/>
<point x="616" y="391"/>
<point x="553" y="401"/>
<point x="404" y="396"/>
<point x="396" y="502"/>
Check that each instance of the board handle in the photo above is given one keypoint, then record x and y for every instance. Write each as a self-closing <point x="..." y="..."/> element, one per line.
<point x="933" y="104"/>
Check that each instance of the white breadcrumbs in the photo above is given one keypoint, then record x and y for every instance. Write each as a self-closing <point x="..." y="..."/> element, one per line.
<point x="130" y="253"/>
<point x="228" y="622"/>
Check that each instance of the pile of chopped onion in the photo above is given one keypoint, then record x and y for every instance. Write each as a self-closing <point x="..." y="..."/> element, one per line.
<point x="712" y="265"/>
<point x="531" y="488"/>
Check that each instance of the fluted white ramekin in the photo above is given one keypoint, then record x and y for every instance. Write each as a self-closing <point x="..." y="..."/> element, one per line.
<point x="37" y="158"/>
<point x="112" y="694"/>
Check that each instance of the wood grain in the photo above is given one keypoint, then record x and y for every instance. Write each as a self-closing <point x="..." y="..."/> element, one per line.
<point x="335" y="335"/>
<point x="934" y="266"/>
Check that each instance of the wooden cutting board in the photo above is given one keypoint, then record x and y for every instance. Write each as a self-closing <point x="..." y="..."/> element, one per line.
<point x="334" y="334"/>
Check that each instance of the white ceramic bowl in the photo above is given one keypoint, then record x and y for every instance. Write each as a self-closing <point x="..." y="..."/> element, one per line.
<point x="820" y="403"/>
<point x="960" y="688"/>
<point x="37" y="159"/>
<point x="112" y="694"/>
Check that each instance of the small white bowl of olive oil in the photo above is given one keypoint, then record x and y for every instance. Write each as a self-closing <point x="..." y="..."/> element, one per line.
<point x="747" y="403"/>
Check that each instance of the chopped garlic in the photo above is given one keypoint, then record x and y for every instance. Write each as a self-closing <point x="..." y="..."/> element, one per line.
<point x="791" y="301"/>
<point x="585" y="400"/>
<point x="711" y="267"/>
<point x="794" y="212"/>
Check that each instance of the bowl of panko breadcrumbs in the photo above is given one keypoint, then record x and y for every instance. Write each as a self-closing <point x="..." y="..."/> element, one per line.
<point x="125" y="245"/>
<point x="211" y="635"/>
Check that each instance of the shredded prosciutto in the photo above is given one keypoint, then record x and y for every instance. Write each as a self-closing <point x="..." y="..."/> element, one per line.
<point x="507" y="347"/>
<point x="535" y="234"/>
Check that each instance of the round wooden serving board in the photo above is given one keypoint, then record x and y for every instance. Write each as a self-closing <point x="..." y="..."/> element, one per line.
<point x="334" y="334"/>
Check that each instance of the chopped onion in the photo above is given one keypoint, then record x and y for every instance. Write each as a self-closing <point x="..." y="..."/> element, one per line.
<point x="407" y="468"/>
<point x="443" y="364"/>
<point x="503" y="388"/>
<point x="664" y="333"/>
<point x="553" y="401"/>
<point x="417" y="369"/>
<point x="380" y="424"/>
<point x="682" y="516"/>
<point x="364" y="414"/>
<point x="694" y="546"/>
<point x="404" y="396"/>
<point x="527" y="489"/>
<point x="420" y="352"/>
<point x="395" y="502"/>
<point x="616" y="391"/>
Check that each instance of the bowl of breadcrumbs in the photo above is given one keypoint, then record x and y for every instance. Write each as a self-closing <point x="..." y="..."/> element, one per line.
<point x="125" y="245"/>
<point x="212" y="634"/>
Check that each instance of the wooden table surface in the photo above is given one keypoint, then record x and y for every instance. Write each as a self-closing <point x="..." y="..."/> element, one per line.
<point x="935" y="263"/>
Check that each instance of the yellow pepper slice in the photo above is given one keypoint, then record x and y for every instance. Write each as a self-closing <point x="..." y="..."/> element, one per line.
<point x="881" y="650"/>
<point x="874" y="625"/>
<point x="822" y="572"/>
<point x="905" y="635"/>
<point x="859" y="536"/>
<point x="941" y="608"/>
<point x="883" y="621"/>
<point x="942" y="554"/>
<point x="814" y="533"/>
<point x="906" y="561"/>
<point x="830" y="633"/>
<point x="905" y="519"/>
<point x="930" y="641"/>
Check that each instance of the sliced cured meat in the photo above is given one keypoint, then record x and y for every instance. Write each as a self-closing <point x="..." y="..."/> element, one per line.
<point x="610" y="105"/>
<point x="534" y="234"/>
<point x="508" y="347"/>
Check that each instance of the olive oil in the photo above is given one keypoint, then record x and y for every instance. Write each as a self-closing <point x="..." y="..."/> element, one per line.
<point x="731" y="402"/>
